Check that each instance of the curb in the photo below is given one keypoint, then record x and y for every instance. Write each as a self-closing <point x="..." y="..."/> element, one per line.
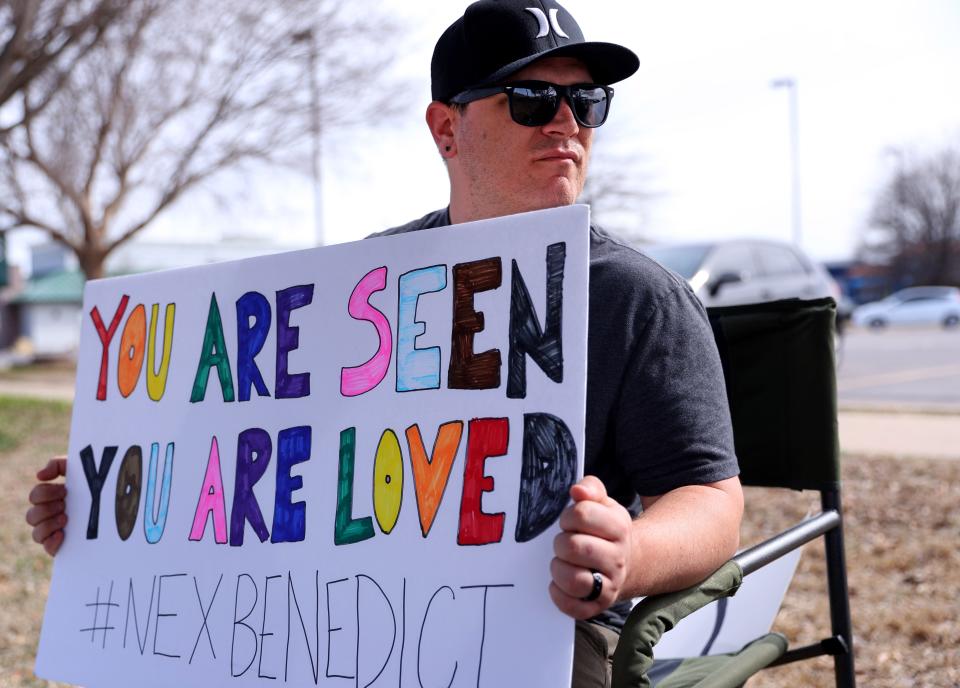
<point x="899" y="408"/>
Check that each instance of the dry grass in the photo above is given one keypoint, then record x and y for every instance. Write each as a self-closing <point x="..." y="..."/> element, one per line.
<point x="903" y="555"/>
<point x="902" y="526"/>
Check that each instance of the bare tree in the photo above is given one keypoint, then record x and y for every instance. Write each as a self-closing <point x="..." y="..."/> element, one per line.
<point x="618" y="192"/>
<point x="914" y="227"/>
<point x="176" y="92"/>
<point x="40" y="40"/>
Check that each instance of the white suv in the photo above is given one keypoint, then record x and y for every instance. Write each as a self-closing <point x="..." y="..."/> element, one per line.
<point x="729" y="273"/>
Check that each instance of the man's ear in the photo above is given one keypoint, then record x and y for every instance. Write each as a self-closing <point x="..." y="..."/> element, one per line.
<point x="441" y="119"/>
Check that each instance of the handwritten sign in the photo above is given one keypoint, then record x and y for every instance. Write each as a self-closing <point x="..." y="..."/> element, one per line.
<point x="338" y="467"/>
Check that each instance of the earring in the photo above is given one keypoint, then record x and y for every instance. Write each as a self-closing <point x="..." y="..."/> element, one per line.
<point x="448" y="149"/>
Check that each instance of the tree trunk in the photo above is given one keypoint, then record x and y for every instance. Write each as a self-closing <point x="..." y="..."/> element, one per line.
<point x="92" y="262"/>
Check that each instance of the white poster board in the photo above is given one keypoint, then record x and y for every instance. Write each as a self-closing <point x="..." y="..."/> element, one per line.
<point x="336" y="467"/>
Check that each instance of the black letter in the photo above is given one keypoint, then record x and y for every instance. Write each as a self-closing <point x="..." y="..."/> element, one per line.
<point x="331" y="630"/>
<point x="160" y="615"/>
<point x="263" y="626"/>
<point x="239" y="622"/>
<point x="205" y="613"/>
<point x="544" y="346"/>
<point x="95" y="479"/>
<point x="422" y="625"/>
<point x="549" y="469"/>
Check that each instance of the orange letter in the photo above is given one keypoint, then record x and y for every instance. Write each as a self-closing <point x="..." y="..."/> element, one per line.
<point x="132" y="350"/>
<point x="430" y="475"/>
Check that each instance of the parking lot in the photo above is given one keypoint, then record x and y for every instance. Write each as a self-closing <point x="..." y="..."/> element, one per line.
<point x="908" y="368"/>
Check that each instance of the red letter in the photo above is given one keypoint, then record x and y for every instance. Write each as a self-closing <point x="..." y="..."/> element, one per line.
<point x="486" y="437"/>
<point x="106" y="335"/>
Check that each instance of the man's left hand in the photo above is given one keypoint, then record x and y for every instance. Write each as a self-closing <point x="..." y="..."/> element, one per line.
<point x="596" y="537"/>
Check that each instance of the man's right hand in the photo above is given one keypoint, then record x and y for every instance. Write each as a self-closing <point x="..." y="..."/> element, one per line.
<point x="48" y="513"/>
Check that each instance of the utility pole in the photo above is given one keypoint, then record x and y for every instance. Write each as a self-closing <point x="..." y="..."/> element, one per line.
<point x="790" y="84"/>
<point x="309" y="37"/>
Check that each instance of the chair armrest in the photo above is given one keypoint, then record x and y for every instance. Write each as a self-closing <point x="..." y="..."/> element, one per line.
<point x="656" y="615"/>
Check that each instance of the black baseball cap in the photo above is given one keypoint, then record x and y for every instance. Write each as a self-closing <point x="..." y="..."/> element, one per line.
<point x="495" y="38"/>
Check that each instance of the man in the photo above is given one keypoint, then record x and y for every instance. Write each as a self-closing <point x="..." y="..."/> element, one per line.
<point x="516" y="95"/>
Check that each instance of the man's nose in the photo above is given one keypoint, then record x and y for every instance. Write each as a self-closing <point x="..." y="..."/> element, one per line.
<point x="563" y="123"/>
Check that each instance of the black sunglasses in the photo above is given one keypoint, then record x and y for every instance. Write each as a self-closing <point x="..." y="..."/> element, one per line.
<point x="535" y="103"/>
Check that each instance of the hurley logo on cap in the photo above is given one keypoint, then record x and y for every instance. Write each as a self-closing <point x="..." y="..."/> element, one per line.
<point x="546" y="24"/>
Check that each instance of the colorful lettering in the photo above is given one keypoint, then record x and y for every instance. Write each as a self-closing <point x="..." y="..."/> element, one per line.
<point x="549" y="470"/>
<point x="417" y="368"/>
<point x="289" y="517"/>
<point x="361" y="379"/>
<point x="106" y="336"/>
<point x="253" y="456"/>
<point x="211" y="500"/>
<point x="545" y="346"/>
<point x="96" y="477"/>
<point x="290" y="386"/>
<point x="213" y="355"/>
<point x="157" y="381"/>
<point x="129" y="483"/>
<point x="486" y="437"/>
<point x="250" y="339"/>
<point x="347" y="529"/>
<point x="468" y="370"/>
<point x="387" y="481"/>
<point x="132" y="351"/>
<point x="431" y="474"/>
<point x="155" y="516"/>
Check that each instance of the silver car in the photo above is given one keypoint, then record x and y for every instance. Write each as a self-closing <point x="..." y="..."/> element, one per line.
<point x="729" y="273"/>
<point x="912" y="306"/>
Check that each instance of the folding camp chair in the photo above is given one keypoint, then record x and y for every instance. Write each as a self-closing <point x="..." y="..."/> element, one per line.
<point x="779" y="367"/>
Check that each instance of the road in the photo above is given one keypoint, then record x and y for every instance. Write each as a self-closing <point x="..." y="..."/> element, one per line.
<point x="905" y="368"/>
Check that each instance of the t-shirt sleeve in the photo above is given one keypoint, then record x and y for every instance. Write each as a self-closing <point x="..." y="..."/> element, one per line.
<point x="673" y="421"/>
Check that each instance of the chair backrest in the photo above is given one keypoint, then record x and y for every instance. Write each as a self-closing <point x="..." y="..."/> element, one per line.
<point x="779" y="366"/>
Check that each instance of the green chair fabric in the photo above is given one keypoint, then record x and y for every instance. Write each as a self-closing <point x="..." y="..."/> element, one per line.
<point x="779" y="367"/>
<point x="729" y="670"/>
<point x="654" y="616"/>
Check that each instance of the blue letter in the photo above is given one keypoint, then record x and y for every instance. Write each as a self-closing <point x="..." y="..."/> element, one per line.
<point x="417" y="368"/>
<point x="250" y="339"/>
<point x="153" y="526"/>
<point x="288" y="338"/>
<point x="289" y="518"/>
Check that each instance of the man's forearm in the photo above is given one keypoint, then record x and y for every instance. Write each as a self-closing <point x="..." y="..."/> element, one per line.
<point x="683" y="536"/>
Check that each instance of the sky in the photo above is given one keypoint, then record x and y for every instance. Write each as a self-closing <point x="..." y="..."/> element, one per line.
<point x="699" y="127"/>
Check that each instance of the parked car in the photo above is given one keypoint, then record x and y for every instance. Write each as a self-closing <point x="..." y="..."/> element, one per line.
<point x="912" y="306"/>
<point x="728" y="273"/>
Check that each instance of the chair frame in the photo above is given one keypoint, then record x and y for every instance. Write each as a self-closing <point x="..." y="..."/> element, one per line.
<point x="829" y="524"/>
<point x="809" y="328"/>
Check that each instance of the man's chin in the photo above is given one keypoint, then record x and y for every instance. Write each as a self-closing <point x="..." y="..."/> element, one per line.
<point x="560" y="194"/>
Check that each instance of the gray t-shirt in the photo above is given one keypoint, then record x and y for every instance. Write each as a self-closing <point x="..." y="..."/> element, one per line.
<point x="657" y="415"/>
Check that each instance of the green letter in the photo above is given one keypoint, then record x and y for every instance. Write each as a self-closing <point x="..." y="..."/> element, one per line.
<point x="348" y="529"/>
<point x="214" y="354"/>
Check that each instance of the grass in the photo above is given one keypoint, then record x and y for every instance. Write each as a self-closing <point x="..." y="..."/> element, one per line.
<point x="902" y="522"/>
<point x="30" y="432"/>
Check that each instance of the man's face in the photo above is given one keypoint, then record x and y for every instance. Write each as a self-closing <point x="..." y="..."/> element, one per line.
<point x="502" y="167"/>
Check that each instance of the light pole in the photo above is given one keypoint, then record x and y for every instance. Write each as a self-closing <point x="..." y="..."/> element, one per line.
<point x="790" y="84"/>
<point x="316" y="133"/>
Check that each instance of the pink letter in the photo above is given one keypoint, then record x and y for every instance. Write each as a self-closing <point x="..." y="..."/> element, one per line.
<point x="211" y="500"/>
<point x="363" y="378"/>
